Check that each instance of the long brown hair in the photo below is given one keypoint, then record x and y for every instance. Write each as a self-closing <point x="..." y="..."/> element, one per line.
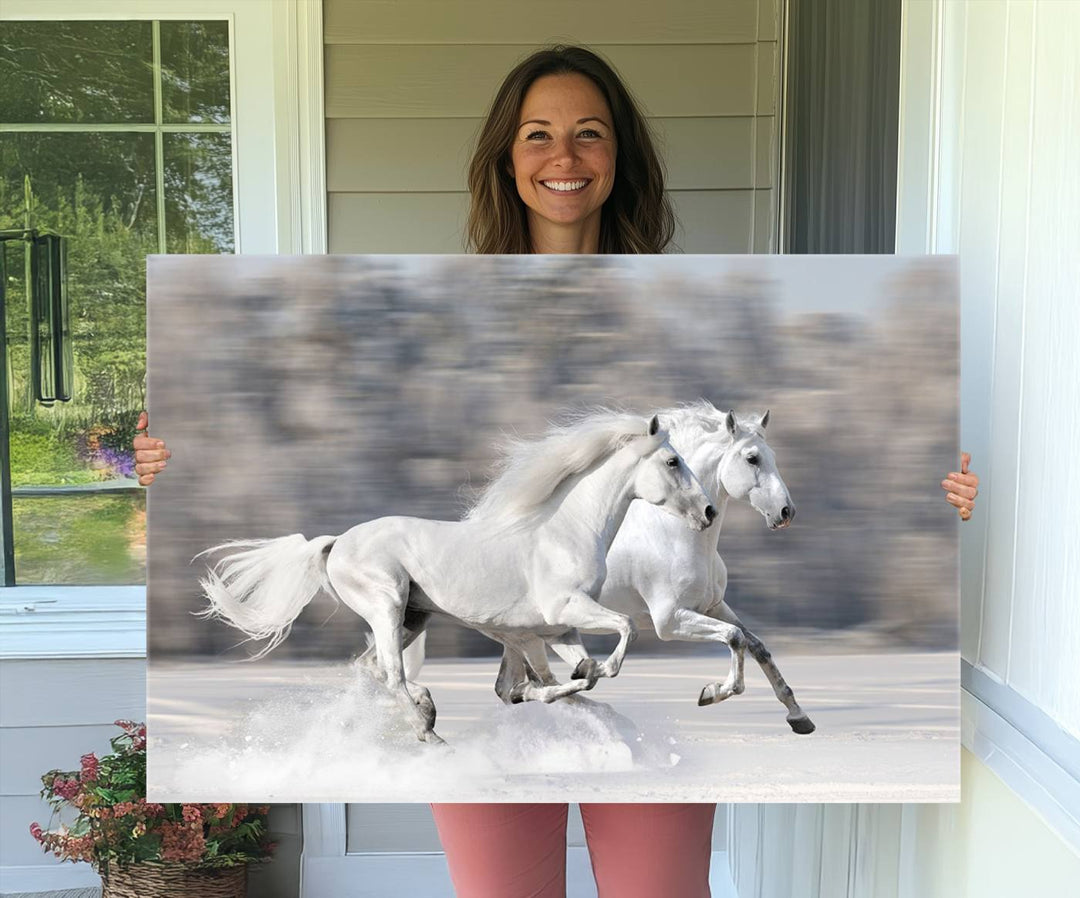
<point x="637" y="216"/>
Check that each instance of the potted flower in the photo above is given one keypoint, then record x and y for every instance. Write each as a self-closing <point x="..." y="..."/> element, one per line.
<point x="141" y="848"/>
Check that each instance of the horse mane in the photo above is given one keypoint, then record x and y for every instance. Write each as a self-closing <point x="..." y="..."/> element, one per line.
<point x="692" y="421"/>
<point x="528" y="472"/>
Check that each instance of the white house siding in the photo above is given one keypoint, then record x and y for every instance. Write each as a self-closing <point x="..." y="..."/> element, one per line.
<point x="990" y="137"/>
<point x="408" y="83"/>
<point x="53" y="712"/>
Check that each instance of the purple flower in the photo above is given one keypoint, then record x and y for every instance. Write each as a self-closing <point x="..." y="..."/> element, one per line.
<point x="120" y="462"/>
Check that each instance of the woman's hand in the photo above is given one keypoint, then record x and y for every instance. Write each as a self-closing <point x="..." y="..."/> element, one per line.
<point x="960" y="488"/>
<point x="150" y="454"/>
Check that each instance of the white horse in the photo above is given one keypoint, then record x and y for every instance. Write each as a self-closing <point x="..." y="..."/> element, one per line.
<point x="674" y="579"/>
<point x="531" y="560"/>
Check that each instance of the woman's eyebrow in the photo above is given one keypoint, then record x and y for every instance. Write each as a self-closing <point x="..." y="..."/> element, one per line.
<point x="580" y="121"/>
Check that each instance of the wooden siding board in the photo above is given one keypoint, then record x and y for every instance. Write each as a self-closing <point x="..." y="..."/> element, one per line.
<point x="380" y="154"/>
<point x="710" y="221"/>
<point x="397" y="222"/>
<point x="707" y="153"/>
<point x="17" y="846"/>
<point x="522" y="22"/>
<point x="768" y="24"/>
<point x="72" y="692"/>
<point x="28" y="752"/>
<point x="432" y="154"/>
<point x="407" y="81"/>
<point x="713" y="221"/>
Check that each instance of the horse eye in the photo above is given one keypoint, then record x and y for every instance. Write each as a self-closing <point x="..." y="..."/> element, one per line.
<point x="753" y="459"/>
<point x="672" y="462"/>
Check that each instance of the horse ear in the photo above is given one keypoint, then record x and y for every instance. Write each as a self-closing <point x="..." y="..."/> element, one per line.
<point x="654" y="425"/>
<point x="765" y="419"/>
<point x="732" y="427"/>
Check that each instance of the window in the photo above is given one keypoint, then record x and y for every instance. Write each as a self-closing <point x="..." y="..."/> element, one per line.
<point x="117" y="135"/>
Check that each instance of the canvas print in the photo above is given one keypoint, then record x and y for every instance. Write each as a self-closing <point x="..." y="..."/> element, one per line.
<point x="562" y="528"/>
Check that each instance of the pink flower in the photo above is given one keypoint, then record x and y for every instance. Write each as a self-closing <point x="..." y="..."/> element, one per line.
<point x="65" y="788"/>
<point x="36" y="832"/>
<point x="89" y="768"/>
<point x="192" y="814"/>
<point x="181" y="842"/>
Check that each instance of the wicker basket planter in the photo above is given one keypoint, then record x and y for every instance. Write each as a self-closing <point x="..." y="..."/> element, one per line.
<point x="148" y="880"/>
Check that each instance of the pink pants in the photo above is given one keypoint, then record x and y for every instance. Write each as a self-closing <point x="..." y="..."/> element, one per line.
<point x="519" y="850"/>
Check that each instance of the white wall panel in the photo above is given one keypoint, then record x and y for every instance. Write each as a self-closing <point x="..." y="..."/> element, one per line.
<point x="1045" y="645"/>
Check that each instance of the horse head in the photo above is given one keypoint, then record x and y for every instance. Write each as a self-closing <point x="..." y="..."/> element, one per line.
<point x="747" y="470"/>
<point x="664" y="479"/>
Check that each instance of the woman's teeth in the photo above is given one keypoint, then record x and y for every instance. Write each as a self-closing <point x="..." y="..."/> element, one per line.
<point x="564" y="186"/>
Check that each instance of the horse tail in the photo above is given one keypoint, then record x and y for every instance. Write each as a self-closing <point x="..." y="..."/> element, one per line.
<point x="262" y="586"/>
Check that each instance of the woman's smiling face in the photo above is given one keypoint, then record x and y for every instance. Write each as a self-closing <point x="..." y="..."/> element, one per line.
<point x="563" y="155"/>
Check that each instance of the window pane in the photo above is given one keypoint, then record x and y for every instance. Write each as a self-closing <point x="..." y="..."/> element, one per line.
<point x="76" y="72"/>
<point x="81" y="540"/>
<point x="195" y="71"/>
<point x="98" y="190"/>
<point x="198" y="193"/>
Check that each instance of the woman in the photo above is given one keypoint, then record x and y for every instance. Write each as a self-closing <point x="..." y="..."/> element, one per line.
<point x="565" y="164"/>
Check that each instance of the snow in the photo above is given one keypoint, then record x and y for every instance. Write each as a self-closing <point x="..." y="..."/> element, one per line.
<point x="888" y="729"/>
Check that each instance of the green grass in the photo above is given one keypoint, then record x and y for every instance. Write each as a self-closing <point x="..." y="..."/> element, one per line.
<point x="85" y="540"/>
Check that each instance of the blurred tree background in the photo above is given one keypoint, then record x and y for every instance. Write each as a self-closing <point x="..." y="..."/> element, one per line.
<point x="353" y="387"/>
<point x="91" y="150"/>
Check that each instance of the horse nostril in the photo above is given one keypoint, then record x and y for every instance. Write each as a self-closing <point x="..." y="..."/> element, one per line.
<point x="786" y="514"/>
<point x="710" y="513"/>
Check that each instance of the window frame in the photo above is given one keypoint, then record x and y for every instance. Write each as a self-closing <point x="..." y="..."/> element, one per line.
<point x="277" y="120"/>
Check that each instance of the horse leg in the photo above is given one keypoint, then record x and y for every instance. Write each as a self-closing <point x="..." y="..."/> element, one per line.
<point x="674" y="622"/>
<point x="581" y="611"/>
<point x="569" y="647"/>
<point x="525" y="675"/>
<point x="550" y="689"/>
<point x="380" y="599"/>
<point x="412" y="638"/>
<point x="512" y="674"/>
<point x="797" y="718"/>
<point x="412" y="657"/>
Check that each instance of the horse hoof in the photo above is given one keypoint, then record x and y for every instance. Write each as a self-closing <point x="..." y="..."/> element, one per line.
<point x="802" y="725"/>
<point x="585" y="670"/>
<point x="432" y="738"/>
<point x="426" y="708"/>
<point x="707" y="697"/>
<point x="517" y="694"/>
